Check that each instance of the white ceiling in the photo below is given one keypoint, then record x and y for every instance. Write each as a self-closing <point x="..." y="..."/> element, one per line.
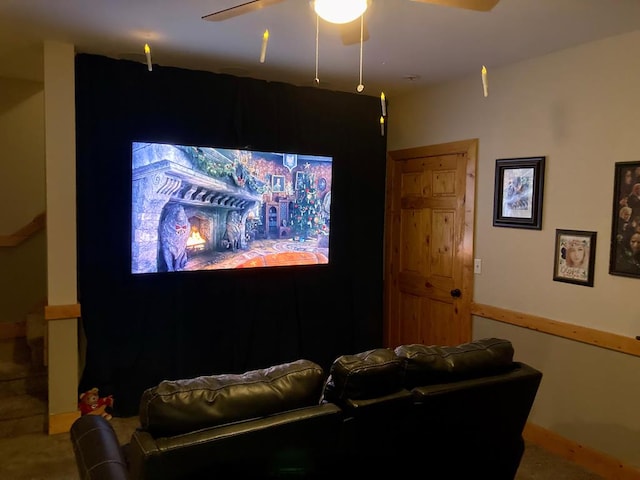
<point x="429" y="43"/>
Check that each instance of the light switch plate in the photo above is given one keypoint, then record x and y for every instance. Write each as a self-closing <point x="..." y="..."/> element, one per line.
<point x="477" y="266"/>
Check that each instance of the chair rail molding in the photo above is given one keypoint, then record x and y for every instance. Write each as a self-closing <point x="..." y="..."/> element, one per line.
<point x="578" y="333"/>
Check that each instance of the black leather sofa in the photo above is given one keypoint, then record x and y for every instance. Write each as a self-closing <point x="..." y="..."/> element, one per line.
<point x="457" y="411"/>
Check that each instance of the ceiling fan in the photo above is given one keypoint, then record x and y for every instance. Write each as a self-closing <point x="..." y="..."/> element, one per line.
<point x="351" y="31"/>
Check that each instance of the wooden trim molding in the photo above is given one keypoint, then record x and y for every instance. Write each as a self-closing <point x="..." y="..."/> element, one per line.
<point x="61" y="312"/>
<point x="593" y="460"/>
<point x="578" y="333"/>
<point x="61" y="422"/>
<point x="26" y="232"/>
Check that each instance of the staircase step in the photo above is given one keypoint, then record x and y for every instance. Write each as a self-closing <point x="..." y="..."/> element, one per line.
<point x="15" y="350"/>
<point x="34" y="384"/>
<point x="23" y="390"/>
<point x="14" y="427"/>
<point x="21" y="414"/>
<point x="18" y="373"/>
<point x="18" y="406"/>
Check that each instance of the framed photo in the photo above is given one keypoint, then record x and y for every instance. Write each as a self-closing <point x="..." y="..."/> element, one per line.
<point x="277" y="183"/>
<point x="624" y="258"/>
<point x="517" y="196"/>
<point x="575" y="254"/>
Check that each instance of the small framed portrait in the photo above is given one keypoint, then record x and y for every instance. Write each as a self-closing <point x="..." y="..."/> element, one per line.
<point x="624" y="257"/>
<point x="574" y="260"/>
<point x="517" y="196"/>
<point x="277" y="183"/>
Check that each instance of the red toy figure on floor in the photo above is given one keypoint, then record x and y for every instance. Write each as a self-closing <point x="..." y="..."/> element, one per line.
<point x="92" y="404"/>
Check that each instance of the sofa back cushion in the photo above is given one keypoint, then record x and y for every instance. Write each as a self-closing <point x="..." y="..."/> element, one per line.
<point x="180" y="406"/>
<point x="426" y="365"/>
<point x="365" y="375"/>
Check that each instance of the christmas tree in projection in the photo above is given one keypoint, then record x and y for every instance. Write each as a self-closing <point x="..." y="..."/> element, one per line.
<point x="307" y="219"/>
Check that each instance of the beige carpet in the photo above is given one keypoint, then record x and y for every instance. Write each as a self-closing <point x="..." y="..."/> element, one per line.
<point x="50" y="457"/>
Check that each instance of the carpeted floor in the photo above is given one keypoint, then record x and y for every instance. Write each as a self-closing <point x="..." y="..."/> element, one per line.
<point x="50" y="457"/>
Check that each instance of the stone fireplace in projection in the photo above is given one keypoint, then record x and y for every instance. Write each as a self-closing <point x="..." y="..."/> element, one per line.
<point x="165" y="179"/>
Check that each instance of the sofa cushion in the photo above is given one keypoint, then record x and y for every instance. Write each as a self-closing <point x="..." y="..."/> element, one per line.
<point x="425" y="365"/>
<point x="180" y="406"/>
<point x="365" y="375"/>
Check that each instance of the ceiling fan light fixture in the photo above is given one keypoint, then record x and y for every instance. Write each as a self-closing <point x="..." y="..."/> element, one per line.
<point x="339" y="11"/>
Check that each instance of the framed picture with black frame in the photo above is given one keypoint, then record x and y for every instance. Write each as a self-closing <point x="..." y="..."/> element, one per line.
<point x="574" y="257"/>
<point x="624" y="257"/>
<point x="518" y="191"/>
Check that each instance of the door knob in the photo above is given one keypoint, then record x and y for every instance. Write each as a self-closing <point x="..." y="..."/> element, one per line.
<point x="456" y="292"/>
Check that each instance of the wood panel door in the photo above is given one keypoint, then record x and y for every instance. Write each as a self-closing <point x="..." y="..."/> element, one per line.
<point x="429" y="219"/>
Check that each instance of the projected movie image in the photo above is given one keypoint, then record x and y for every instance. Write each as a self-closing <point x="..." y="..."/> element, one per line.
<point x="204" y="208"/>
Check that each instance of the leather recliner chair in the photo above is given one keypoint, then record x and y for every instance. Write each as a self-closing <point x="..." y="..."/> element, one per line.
<point x="455" y="411"/>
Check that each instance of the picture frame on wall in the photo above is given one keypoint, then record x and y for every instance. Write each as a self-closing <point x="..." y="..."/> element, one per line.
<point x="624" y="256"/>
<point x="277" y="183"/>
<point x="518" y="192"/>
<point x="574" y="257"/>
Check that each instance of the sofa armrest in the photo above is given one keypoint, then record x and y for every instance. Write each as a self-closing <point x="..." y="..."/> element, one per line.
<point x="297" y="439"/>
<point x="519" y="376"/>
<point x="482" y="417"/>
<point x="97" y="449"/>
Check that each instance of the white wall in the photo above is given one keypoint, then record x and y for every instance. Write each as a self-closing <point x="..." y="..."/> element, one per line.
<point x="22" y="196"/>
<point x="581" y="109"/>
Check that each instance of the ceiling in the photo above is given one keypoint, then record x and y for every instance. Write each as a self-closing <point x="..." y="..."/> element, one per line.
<point x="410" y="44"/>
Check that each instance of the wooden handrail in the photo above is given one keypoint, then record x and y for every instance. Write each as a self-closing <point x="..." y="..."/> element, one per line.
<point x="599" y="338"/>
<point x="26" y="232"/>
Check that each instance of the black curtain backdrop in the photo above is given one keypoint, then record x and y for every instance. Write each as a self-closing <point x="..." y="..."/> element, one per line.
<point x="145" y="328"/>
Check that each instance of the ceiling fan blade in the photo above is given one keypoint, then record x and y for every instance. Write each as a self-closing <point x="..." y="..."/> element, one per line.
<point x="239" y="10"/>
<point x="479" y="5"/>
<point x="350" y="32"/>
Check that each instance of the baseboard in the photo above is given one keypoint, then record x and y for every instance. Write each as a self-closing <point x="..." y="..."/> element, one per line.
<point x="61" y="422"/>
<point x="12" y="330"/>
<point x="593" y="460"/>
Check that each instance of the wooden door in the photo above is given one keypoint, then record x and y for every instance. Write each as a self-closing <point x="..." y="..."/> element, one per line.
<point x="429" y="218"/>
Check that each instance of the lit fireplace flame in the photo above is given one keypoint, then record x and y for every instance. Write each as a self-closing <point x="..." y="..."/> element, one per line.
<point x="195" y="238"/>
